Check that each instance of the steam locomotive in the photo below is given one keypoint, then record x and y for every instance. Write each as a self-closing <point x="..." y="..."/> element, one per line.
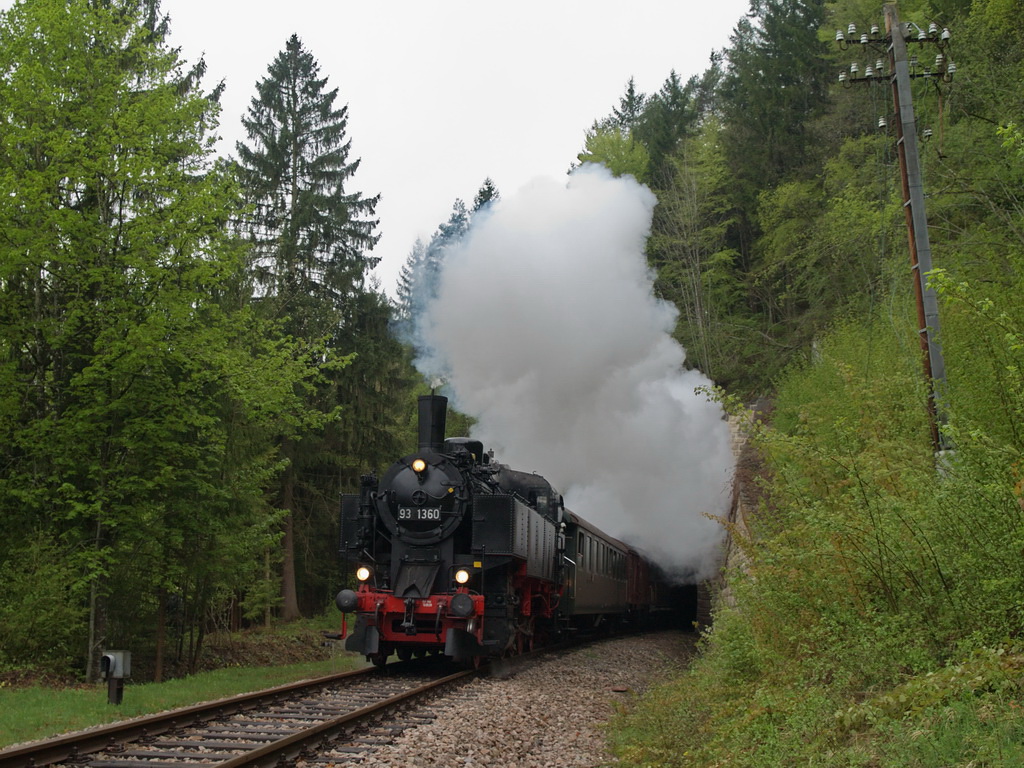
<point x="455" y="552"/>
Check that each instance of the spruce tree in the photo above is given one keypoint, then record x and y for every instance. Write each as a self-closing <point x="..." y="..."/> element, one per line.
<point x="774" y="85"/>
<point x="446" y="236"/>
<point x="668" y="116"/>
<point x="407" y="294"/>
<point x="487" y="194"/>
<point x="420" y="277"/>
<point x="630" y="109"/>
<point x="310" y="239"/>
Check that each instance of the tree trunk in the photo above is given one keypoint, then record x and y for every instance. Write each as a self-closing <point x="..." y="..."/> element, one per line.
<point x="267" y="575"/>
<point x="161" y="636"/>
<point x="92" y="630"/>
<point x="95" y="630"/>
<point x="289" y="596"/>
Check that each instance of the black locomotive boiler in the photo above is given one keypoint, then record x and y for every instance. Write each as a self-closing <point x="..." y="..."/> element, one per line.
<point x="457" y="553"/>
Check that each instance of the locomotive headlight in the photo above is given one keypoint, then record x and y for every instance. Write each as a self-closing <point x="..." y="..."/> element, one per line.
<point x="362" y="573"/>
<point x="418" y="465"/>
<point x="462" y="576"/>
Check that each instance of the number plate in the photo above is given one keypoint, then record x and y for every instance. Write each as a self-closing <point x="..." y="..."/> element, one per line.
<point x="419" y="513"/>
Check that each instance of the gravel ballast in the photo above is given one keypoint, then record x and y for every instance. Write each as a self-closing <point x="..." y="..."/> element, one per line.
<point x="544" y="715"/>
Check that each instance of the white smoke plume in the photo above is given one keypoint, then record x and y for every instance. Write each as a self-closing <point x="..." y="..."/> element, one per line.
<point x="548" y="332"/>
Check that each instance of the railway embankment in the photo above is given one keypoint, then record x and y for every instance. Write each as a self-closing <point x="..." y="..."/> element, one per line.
<point x="746" y="495"/>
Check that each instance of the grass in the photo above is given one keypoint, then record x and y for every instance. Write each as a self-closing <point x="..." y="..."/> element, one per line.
<point x="875" y="622"/>
<point x="962" y="716"/>
<point x="38" y="712"/>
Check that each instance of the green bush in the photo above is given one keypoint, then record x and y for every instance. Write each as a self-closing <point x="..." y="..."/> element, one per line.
<point x="41" y="614"/>
<point x="880" y="584"/>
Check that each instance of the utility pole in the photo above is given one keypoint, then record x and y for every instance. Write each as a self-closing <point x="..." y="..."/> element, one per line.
<point x="902" y="69"/>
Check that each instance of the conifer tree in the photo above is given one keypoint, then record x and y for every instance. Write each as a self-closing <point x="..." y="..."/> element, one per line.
<point x="630" y="109"/>
<point x="422" y="270"/>
<point x="668" y="116"/>
<point x="487" y="194"/>
<point x="406" y="290"/>
<point x="421" y="274"/>
<point x="774" y="85"/>
<point x="310" y="239"/>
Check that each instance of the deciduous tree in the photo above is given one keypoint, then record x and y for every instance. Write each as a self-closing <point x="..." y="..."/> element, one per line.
<point x="128" y="388"/>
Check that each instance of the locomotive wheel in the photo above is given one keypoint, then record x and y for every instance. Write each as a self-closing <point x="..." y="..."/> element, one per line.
<point x="379" y="659"/>
<point x="404" y="654"/>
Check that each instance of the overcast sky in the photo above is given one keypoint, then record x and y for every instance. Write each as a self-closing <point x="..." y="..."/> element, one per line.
<point x="443" y="94"/>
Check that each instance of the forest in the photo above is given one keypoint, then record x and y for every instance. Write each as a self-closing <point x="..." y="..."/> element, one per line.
<point x="195" y="363"/>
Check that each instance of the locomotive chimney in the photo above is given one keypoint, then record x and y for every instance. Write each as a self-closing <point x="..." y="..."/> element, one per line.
<point x="433" y="414"/>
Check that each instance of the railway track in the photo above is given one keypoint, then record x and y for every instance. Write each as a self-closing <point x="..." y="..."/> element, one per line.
<point x="329" y="715"/>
